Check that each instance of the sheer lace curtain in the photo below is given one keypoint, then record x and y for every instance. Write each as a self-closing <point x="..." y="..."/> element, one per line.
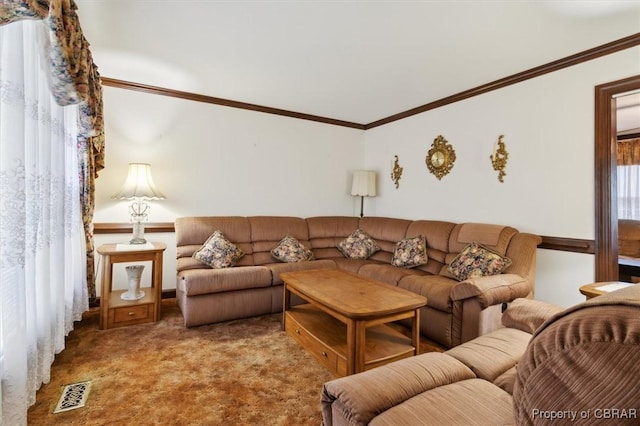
<point x="42" y="246"/>
<point x="628" y="157"/>
<point x="629" y="192"/>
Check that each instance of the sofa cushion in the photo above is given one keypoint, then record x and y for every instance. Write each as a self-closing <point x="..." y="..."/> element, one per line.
<point x="506" y="380"/>
<point x="410" y="252"/>
<point x="491" y="354"/>
<point x="291" y="250"/>
<point x="354" y="265"/>
<point x="528" y="314"/>
<point x="436" y="288"/>
<point x="278" y="268"/>
<point x="467" y="402"/>
<point x="358" y="245"/>
<point x="204" y="281"/>
<point x="363" y="396"/>
<point x="387" y="273"/>
<point x="477" y="261"/>
<point x="218" y="252"/>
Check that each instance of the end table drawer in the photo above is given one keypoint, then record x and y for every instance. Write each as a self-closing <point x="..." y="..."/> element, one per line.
<point x="131" y="313"/>
<point x="322" y="352"/>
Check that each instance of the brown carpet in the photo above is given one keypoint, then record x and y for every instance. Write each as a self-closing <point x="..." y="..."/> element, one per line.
<point x="241" y="372"/>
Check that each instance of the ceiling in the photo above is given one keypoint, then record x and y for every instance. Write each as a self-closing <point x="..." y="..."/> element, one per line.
<point x="357" y="61"/>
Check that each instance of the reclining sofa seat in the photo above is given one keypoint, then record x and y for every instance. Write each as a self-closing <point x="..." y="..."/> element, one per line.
<point x="546" y="361"/>
<point x="455" y="311"/>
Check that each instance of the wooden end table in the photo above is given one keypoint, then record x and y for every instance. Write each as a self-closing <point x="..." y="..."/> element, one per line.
<point x="345" y="322"/>
<point x="598" y="289"/>
<point x="115" y="312"/>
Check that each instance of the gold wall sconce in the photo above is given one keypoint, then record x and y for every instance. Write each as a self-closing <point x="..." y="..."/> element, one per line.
<point x="396" y="171"/>
<point x="499" y="158"/>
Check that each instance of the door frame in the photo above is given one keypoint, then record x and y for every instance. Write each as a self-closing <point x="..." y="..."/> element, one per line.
<point x="606" y="197"/>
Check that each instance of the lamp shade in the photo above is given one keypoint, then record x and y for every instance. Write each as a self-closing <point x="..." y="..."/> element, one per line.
<point x="364" y="183"/>
<point x="139" y="184"/>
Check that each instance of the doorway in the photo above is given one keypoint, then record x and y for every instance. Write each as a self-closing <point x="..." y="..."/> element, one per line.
<point x="606" y="199"/>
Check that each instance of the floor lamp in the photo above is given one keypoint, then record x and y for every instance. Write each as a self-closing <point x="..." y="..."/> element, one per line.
<point x="363" y="185"/>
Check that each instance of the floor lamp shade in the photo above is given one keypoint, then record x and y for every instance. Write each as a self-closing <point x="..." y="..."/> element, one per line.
<point x="363" y="185"/>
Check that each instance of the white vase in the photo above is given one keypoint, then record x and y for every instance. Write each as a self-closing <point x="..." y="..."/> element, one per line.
<point x="134" y="273"/>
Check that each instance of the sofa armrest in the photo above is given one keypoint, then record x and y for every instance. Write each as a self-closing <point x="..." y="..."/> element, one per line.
<point x="528" y="314"/>
<point x="358" y="398"/>
<point x="492" y="290"/>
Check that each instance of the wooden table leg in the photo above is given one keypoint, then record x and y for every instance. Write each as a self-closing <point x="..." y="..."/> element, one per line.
<point x="286" y="303"/>
<point x="415" y="331"/>
<point x="361" y="334"/>
<point x="107" y="272"/>
<point x="351" y="347"/>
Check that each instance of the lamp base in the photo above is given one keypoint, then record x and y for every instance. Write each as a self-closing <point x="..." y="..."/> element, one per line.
<point x="138" y="233"/>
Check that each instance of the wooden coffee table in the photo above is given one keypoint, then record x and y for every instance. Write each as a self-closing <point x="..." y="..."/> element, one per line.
<point x="345" y="322"/>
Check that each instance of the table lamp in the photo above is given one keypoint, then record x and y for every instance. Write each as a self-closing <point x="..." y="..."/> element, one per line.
<point x="138" y="187"/>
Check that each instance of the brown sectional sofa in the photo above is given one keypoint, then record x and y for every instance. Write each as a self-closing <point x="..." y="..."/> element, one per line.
<point x="456" y="311"/>
<point x="546" y="366"/>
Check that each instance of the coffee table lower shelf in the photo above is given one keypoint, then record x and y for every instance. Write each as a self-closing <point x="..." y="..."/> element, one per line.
<point x="326" y="338"/>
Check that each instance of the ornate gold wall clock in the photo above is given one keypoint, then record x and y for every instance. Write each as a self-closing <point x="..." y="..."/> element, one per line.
<point x="440" y="157"/>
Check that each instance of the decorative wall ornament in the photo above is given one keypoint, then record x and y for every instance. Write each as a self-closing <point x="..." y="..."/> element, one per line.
<point x="440" y="157"/>
<point x="396" y="171"/>
<point x="499" y="158"/>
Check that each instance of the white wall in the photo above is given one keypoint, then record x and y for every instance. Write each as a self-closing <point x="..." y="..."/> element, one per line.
<point x="548" y="123"/>
<point x="212" y="160"/>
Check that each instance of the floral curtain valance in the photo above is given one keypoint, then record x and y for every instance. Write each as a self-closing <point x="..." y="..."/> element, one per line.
<point x="73" y="75"/>
<point x="628" y="152"/>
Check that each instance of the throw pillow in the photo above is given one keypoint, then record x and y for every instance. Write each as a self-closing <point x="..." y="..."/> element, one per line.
<point x="218" y="252"/>
<point x="291" y="250"/>
<point x="476" y="260"/>
<point x="358" y="245"/>
<point x="410" y="252"/>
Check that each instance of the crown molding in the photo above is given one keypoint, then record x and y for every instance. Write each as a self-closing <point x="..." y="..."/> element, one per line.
<point x="584" y="56"/>
<point x="155" y="90"/>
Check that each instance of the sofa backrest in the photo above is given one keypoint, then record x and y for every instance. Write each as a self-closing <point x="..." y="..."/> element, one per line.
<point x="258" y="235"/>
<point x="193" y="232"/>
<point x="387" y="232"/>
<point x="325" y="232"/>
<point x="584" y="361"/>
<point x="267" y="231"/>
<point x="437" y="234"/>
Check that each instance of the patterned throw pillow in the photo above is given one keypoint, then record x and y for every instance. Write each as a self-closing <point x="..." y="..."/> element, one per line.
<point x="291" y="250"/>
<point x="410" y="252"/>
<point x="218" y="252"/>
<point x="476" y="260"/>
<point x="358" y="245"/>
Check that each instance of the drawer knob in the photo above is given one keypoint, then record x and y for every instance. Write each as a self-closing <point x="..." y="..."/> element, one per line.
<point x="324" y="354"/>
<point x="297" y="331"/>
<point x="131" y="314"/>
